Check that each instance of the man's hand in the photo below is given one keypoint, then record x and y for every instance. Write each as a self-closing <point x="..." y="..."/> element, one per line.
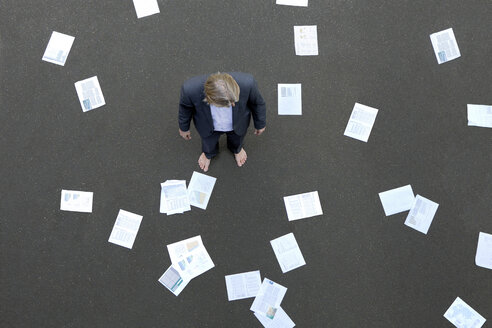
<point x="260" y="131"/>
<point x="185" y="134"/>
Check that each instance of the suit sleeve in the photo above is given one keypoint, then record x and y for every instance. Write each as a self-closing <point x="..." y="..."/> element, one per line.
<point x="257" y="106"/>
<point x="186" y="109"/>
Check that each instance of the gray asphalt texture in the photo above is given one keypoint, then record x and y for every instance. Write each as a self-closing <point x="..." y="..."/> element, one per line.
<point x="363" y="269"/>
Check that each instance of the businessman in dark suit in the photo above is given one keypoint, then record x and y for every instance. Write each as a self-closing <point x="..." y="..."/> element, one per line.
<point x="221" y="103"/>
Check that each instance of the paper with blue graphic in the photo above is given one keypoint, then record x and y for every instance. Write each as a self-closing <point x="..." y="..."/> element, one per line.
<point x="268" y="299"/>
<point x="462" y="315"/>
<point x="90" y="94"/>
<point x="190" y="258"/>
<point x="445" y="46"/>
<point x="58" y="48"/>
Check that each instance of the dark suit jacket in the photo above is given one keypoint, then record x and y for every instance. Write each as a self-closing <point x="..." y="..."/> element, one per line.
<point x="192" y="106"/>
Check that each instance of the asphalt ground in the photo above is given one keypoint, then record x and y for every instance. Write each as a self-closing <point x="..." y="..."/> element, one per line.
<point x="363" y="269"/>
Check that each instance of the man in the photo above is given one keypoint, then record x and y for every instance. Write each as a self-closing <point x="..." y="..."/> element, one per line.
<point x="221" y="103"/>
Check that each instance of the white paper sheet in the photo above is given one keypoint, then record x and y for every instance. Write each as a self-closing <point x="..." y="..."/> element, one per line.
<point x="462" y="315"/>
<point x="125" y="229"/>
<point x="289" y="99"/>
<point x="174" y="197"/>
<point x="483" y="257"/>
<point x="281" y="320"/>
<point x="397" y="200"/>
<point x="76" y="201"/>
<point x="361" y="121"/>
<point x="288" y="253"/>
<point x="298" y="3"/>
<point x="268" y="299"/>
<point x="146" y="7"/>
<point x="172" y="280"/>
<point x="190" y="257"/>
<point x="243" y="285"/>
<point x="303" y="206"/>
<point x="479" y="115"/>
<point x="90" y="93"/>
<point x="445" y="46"/>
<point x="200" y="189"/>
<point x="421" y="214"/>
<point x="58" y="48"/>
<point x="306" y="40"/>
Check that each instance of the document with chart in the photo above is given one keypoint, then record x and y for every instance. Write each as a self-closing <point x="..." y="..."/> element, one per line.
<point x="58" y="48"/>
<point x="306" y="40"/>
<point x="125" y="229"/>
<point x="445" y="46"/>
<point x="90" y="94"/>
<point x="76" y="201"/>
<point x="361" y="121"/>
<point x="174" y="197"/>
<point x="289" y="99"/>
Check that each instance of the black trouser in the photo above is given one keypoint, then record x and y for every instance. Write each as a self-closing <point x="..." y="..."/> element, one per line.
<point x="210" y="144"/>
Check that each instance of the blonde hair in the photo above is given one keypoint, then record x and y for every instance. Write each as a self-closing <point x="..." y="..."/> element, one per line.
<point x="221" y="90"/>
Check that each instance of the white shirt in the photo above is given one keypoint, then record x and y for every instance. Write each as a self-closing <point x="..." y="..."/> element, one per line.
<point x="222" y="117"/>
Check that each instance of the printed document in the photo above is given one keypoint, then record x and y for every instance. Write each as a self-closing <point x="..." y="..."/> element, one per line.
<point x="268" y="299"/>
<point x="90" y="93"/>
<point x="445" y="46"/>
<point x="172" y="280"/>
<point x="281" y="320"/>
<point x="303" y="206"/>
<point x="298" y="3"/>
<point x="289" y="99"/>
<point x="174" y="197"/>
<point x="58" y="48"/>
<point x="397" y="200"/>
<point x="306" y="40"/>
<point x="76" y="201"/>
<point x="243" y="285"/>
<point x="190" y="257"/>
<point x="361" y="121"/>
<point x="125" y="229"/>
<point x="287" y="251"/>
<point x="479" y="115"/>
<point x="421" y="214"/>
<point x="200" y="189"/>
<point x="484" y="251"/>
<point x="462" y="315"/>
<point x="146" y="7"/>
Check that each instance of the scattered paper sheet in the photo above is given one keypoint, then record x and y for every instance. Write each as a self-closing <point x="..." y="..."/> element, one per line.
<point x="397" y="200"/>
<point x="306" y="40"/>
<point x="125" y="229"/>
<point x="243" y="285"/>
<point x="58" y="48"/>
<point x="281" y="320"/>
<point x="361" y="121"/>
<point x="479" y="115"/>
<point x="174" y="197"/>
<point x="90" y="93"/>
<point x="172" y="280"/>
<point x="462" y="315"/>
<point x="445" y="46"/>
<point x="76" y="201"/>
<point x="421" y="214"/>
<point x="190" y="257"/>
<point x="484" y="251"/>
<point x="289" y="99"/>
<point x="200" y="189"/>
<point x="146" y="7"/>
<point x="303" y="205"/>
<point x="288" y="253"/>
<point x="298" y="3"/>
<point x="268" y="299"/>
